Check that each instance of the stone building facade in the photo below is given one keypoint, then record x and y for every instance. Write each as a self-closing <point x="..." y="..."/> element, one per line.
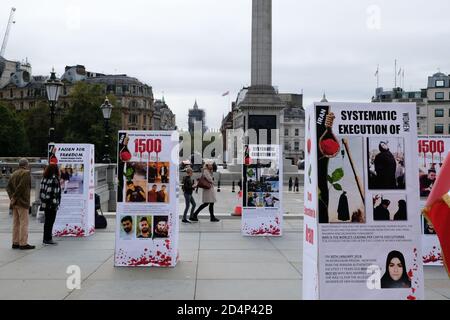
<point x="433" y="104"/>
<point x="139" y="109"/>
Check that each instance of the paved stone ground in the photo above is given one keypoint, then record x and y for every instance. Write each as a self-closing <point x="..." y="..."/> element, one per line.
<point x="216" y="262"/>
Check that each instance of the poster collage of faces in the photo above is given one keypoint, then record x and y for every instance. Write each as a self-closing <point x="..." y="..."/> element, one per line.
<point x="144" y="227"/>
<point x="147" y="182"/>
<point x="262" y="182"/>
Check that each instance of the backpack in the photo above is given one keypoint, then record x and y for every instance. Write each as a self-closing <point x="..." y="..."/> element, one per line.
<point x="100" y="220"/>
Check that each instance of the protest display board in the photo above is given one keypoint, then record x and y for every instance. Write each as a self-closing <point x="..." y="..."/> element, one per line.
<point x="362" y="213"/>
<point x="147" y="225"/>
<point x="262" y="213"/>
<point x="432" y="152"/>
<point x="76" y="214"/>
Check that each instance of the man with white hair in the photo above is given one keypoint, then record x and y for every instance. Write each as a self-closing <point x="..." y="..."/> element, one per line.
<point x="19" y="187"/>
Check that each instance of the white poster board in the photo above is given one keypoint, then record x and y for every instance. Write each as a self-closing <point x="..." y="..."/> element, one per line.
<point x="362" y="219"/>
<point x="147" y="225"/>
<point x="262" y="213"/>
<point x="432" y="152"/>
<point x="76" y="214"/>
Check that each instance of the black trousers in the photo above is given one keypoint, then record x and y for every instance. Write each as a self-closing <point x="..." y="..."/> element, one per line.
<point x="203" y="206"/>
<point x="50" y="216"/>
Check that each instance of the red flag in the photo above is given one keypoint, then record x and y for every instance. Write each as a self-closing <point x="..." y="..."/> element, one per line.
<point x="437" y="210"/>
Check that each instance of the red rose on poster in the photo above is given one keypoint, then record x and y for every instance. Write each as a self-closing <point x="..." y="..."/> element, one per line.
<point x="125" y="156"/>
<point x="329" y="147"/>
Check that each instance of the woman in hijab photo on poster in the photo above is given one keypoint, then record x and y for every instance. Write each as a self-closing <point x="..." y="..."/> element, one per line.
<point x="395" y="276"/>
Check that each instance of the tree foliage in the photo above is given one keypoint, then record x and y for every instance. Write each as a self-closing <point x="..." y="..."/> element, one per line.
<point x="13" y="139"/>
<point x="83" y="121"/>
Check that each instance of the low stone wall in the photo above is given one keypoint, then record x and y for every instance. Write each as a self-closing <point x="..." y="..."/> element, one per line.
<point x="105" y="187"/>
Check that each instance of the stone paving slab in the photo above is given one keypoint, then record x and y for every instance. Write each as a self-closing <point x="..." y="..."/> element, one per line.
<point x="142" y="289"/>
<point x="248" y="290"/>
<point x="227" y="256"/>
<point x="247" y="271"/>
<point x="33" y="289"/>
<point x="216" y="262"/>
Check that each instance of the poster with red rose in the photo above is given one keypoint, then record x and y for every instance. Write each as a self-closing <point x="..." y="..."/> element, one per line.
<point x="76" y="214"/>
<point x="432" y="151"/>
<point x="262" y="213"/>
<point x="147" y="224"/>
<point x="362" y="214"/>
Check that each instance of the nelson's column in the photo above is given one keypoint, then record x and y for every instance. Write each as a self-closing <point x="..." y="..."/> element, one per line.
<point x="261" y="108"/>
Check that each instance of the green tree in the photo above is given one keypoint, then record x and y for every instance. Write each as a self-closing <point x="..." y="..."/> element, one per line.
<point x="83" y="121"/>
<point x="13" y="139"/>
<point x="37" y="124"/>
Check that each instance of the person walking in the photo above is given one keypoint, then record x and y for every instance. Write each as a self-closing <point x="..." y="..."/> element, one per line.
<point x="296" y="185"/>
<point x="209" y="195"/>
<point x="188" y="186"/>
<point x="50" y="195"/>
<point x="290" y="184"/>
<point x="18" y="189"/>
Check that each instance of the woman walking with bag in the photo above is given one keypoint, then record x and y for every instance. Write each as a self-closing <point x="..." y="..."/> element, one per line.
<point x="206" y="182"/>
<point x="50" y="194"/>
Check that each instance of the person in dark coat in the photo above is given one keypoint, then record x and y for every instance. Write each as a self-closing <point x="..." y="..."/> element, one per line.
<point x="296" y="184"/>
<point x="343" y="210"/>
<point x="290" y="184"/>
<point x="152" y="173"/>
<point x="401" y="212"/>
<point x="381" y="213"/>
<point x="385" y="167"/>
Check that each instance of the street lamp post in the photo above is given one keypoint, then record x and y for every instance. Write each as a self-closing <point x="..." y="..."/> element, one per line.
<point x="106" y="108"/>
<point x="53" y="87"/>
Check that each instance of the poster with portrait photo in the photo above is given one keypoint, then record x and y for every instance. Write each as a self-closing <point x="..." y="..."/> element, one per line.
<point x="432" y="152"/>
<point x="71" y="178"/>
<point x="158" y="193"/>
<point x="158" y="172"/>
<point x="76" y="214"/>
<point x="359" y="154"/>
<point x="136" y="171"/>
<point x="149" y="203"/>
<point x="160" y="227"/>
<point x="390" y="207"/>
<point x="262" y="200"/>
<point x="144" y="227"/>
<point x="136" y="191"/>
<point x="127" y="227"/>
<point x="396" y="274"/>
<point x="386" y="163"/>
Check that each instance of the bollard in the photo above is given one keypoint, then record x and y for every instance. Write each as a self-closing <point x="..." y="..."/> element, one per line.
<point x="233" y="188"/>
<point x="218" y="186"/>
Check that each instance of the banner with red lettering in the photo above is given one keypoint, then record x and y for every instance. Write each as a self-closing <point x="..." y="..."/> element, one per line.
<point x="147" y="223"/>
<point x="361" y="225"/>
<point x="432" y="152"/>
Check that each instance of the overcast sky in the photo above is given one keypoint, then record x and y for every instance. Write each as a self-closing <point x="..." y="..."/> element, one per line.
<point x="199" y="49"/>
